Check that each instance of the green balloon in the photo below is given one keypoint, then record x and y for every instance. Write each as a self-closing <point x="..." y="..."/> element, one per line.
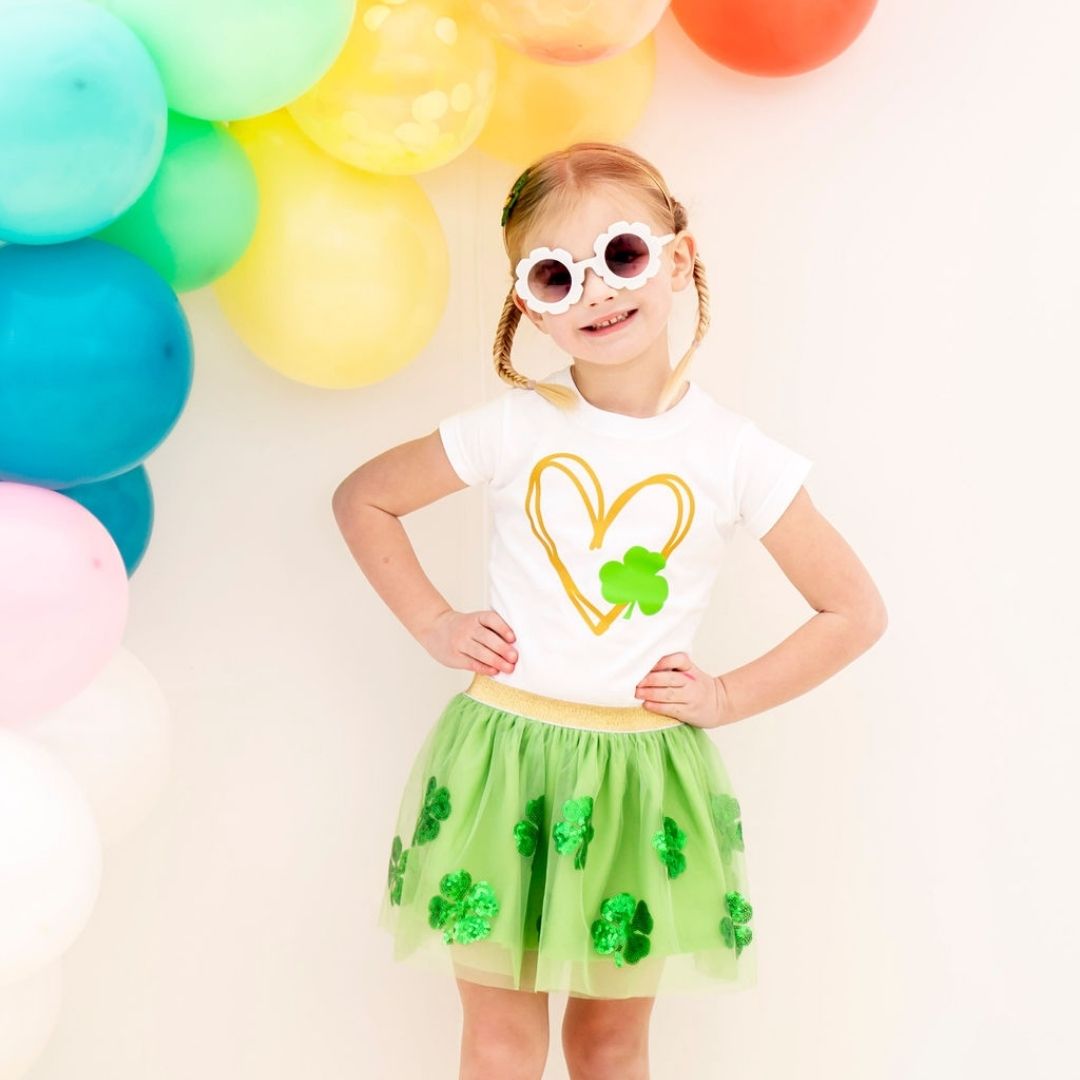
<point x="231" y="59"/>
<point x="198" y="214"/>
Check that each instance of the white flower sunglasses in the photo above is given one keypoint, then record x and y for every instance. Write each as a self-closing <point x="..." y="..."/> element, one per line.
<point x="625" y="255"/>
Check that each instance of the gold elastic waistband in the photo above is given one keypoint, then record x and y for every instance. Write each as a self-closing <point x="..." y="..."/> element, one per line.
<point x="574" y="714"/>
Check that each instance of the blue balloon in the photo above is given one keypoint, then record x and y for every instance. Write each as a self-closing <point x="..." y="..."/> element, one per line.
<point x="95" y="362"/>
<point x="82" y="119"/>
<point x="125" y="506"/>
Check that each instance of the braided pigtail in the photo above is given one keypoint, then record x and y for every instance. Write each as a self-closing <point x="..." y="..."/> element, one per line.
<point x="504" y="343"/>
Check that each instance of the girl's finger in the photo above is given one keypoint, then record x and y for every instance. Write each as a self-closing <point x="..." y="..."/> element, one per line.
<point x="667" y="694"/>
<point x="494" y="621"/>
<point x="479" y="651"/>
<point x="492" y="640"/>
<point x="664" y="678"/>
<point x="674" y="662"/>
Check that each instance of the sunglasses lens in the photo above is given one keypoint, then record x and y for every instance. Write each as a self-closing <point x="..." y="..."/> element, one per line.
<point x="626" y="255"/>
<point x="549" y="281"/>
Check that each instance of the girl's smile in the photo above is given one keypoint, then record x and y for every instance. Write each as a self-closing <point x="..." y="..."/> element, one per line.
<point x="611" y="324"/>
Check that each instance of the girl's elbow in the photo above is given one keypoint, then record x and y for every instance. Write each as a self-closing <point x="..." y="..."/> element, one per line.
<point x="875" y="621"/>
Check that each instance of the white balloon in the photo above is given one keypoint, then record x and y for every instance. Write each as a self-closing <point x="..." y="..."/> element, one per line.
<point x="29" y="1010"/>
<point x="115" y="737"/>
<point x="50" y="857"/>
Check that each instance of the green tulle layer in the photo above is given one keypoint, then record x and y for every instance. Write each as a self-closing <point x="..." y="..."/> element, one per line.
<point x="533" y="856"/>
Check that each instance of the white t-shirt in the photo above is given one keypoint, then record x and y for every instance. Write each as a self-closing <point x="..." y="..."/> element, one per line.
<point x="608" y="529"/>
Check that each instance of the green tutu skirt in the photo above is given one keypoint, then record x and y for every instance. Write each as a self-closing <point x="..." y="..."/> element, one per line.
<point x="546" y="845"/>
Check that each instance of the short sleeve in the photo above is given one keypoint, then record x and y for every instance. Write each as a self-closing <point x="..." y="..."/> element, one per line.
<point x="767" y="475"/>
<point x="472" y="439"/>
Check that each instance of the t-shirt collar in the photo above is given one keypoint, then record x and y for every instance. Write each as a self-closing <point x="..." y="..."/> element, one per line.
<point x="588" y="415"/>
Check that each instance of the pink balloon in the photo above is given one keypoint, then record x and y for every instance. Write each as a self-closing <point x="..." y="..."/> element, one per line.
<point x="63" y="599"/>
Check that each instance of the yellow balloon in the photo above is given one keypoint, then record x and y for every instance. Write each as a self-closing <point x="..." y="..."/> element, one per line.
<point x="541" y="107"/>
<point x="346" y="277"/>
<point x="410" y="90"/>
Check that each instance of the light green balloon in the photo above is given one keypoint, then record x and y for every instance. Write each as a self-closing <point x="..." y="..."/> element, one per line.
<point x="229" y="59"/>
<point x="198" y="214"/>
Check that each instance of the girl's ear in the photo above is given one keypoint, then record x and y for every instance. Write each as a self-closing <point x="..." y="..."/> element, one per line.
<point x="683" y="250"/>
<point x="531" y="315"/>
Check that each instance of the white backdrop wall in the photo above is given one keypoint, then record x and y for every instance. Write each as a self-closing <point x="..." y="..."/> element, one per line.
<point x="891" y="242"/>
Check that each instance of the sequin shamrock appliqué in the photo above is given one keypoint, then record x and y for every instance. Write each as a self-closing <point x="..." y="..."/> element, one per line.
<point x="575" y="832"/>
<point x="463" y="910"/>
<point x="436" y="809"/>
<point x="726" y="815"/>
<point x="527" y="831"/>
<point x="395" y="874"/>
<point x="635" y="581"/>
<point x="733" y="928"/>
<point x="622" y="929"/>
<point x="669" y="842"/>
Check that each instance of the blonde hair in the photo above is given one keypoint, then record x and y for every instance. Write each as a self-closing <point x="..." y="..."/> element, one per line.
<point x="557" y="177"/>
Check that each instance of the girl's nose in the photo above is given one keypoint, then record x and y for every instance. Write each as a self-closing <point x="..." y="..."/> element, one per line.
<point x="594" y="287"/>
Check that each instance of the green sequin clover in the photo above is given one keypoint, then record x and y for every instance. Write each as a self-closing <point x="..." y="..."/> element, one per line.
<point x="622" y="929"/>
<point x="575" y="832"/>
<point x="395" y="874"/>
<point x="726" y="815"/>
<point x="436" y="808"/>
<point x="527" y="831"/>
<point x="733" y="928"/>
<point x="635" y="581"/>
<point x="464" y="908"/>
<point x="669" y="842"/>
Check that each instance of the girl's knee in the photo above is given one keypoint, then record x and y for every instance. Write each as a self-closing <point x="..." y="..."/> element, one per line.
<point x="505" y="1033"/>
<point x="606" y="1039"/>
<point x="605" y="1053"/>
<point x="489" y="1052"/>
<point x="491" y="1047"/>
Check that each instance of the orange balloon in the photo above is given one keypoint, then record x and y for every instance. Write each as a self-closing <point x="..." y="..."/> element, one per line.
<point x="541" y="107"/>
<point x="773" y="37"/>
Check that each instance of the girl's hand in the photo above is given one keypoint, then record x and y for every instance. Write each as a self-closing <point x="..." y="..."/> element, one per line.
<point x="473" y="640"/>
<point x="677" y="687"/>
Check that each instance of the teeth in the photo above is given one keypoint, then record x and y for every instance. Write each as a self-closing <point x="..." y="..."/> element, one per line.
<point x="610" y="322"/>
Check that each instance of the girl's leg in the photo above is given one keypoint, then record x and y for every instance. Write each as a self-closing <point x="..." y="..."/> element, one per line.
<point x="607" y="1039"/>
<point x="504" y="1033"/>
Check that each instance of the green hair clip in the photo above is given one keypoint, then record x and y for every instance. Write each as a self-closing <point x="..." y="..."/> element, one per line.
<point x="512" y="198"/>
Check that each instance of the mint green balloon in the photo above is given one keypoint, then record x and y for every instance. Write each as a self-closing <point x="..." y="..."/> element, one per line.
<point x="82" y="119"/>
<point x="231" y="59"/>
<point x="198" y="214"/>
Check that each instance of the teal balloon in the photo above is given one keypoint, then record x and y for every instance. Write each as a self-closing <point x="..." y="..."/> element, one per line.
<point x="82" y="119"/>
<point x="95" y="362"/>
<point x="125" y="506"/>
<point x="198" y="214"/>
<point x="231" y="59"/>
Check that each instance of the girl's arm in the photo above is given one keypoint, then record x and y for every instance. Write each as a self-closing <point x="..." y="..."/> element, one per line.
<point x="850" y="617"/>
<point x="367" y="506"/>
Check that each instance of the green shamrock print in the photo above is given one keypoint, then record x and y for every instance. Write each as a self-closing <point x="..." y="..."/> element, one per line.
<point x="732" y="926"/>
<point x="725" y="812"/>
<point x="622" y="929"/>
<point x="436" y="808"/>
<point x="669" y="842"/>
<point x="576" y="830"/>
<point x="527" y="831"/>
<point x="635" y="581"/>
<point x="463" y="909"/>
<point x="395" y="875"/>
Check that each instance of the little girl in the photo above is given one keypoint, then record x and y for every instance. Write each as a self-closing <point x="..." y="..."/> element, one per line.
<point x="568" y="824"/>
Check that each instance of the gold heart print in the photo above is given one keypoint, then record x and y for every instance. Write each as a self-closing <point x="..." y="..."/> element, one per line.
<point x="576" y="468"/>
